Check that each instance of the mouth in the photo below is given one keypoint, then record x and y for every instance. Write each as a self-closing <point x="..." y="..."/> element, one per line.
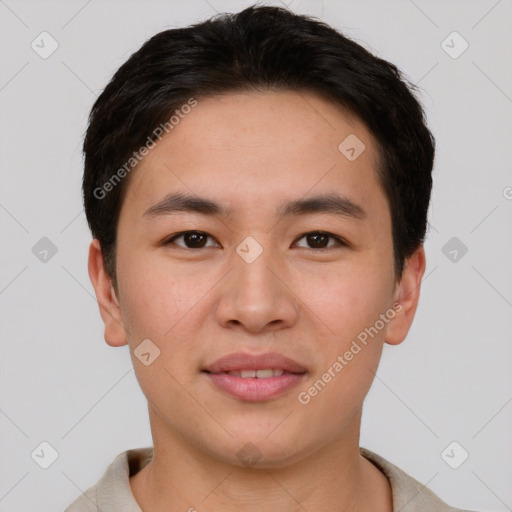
<point x="255" y="378"/>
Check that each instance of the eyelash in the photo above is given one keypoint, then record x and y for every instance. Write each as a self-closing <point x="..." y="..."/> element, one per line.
<point x="340" y="241"/>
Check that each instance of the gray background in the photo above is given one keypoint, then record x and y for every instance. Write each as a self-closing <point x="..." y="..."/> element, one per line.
<point x="449" y="381"/>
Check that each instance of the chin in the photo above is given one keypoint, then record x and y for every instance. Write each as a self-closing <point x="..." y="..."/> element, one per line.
<point x="263" y="448"/>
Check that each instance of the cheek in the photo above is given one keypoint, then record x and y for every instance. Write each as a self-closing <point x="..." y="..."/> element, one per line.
<point x="154" y="292"/>
<point x="141" y="296"/>
<point x="350" y="297"/>
<point x="155" y="306"/>
<point x="349" y="306"/>
<point x="164" y="303"/>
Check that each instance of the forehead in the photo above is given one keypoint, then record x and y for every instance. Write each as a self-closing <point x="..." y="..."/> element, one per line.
<point x="243" y="148"/>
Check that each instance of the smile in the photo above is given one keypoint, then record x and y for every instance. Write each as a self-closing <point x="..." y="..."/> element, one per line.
<point x="255" y="385"/>
<point x="259" y="374"/>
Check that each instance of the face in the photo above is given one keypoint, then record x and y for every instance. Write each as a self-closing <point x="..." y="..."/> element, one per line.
<point x="292" y="253"/>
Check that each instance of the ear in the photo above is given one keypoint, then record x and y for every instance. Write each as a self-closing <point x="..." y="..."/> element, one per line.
<point x="115" y="334"/>
<point x="407" y="294"/>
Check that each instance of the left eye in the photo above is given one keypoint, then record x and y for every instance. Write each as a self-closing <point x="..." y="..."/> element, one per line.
<point x="319" y="240"/>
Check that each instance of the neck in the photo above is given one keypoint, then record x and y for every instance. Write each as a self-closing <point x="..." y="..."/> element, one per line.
<point x="181" y="477"/>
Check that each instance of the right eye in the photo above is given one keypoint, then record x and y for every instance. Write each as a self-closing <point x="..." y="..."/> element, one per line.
<point x="191" y="239"/>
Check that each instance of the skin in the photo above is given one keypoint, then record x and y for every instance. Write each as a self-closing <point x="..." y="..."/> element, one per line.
<point x="252" y="152"/>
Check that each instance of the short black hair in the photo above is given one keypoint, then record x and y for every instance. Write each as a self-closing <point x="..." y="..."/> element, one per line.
<point x="260" y="48"/>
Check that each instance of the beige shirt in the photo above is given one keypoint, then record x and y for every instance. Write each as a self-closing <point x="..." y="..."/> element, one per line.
<point x="113" y="492"/>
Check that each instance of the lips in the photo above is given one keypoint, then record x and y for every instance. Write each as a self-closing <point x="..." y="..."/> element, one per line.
<point x="240" y="361"/>
<point x="255" y="378"/>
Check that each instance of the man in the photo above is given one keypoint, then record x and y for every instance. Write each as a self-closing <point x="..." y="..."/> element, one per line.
<point x="257" y="187"/>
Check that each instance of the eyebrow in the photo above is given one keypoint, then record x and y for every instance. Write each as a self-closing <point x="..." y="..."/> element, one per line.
<point x="325" y="203"/>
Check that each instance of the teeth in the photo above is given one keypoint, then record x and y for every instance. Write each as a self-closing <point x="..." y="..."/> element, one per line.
<point x="259" y="374"/>
<point x="264" y="374"/>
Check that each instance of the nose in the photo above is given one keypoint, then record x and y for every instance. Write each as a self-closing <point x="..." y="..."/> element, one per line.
<point x="257" y="296"/>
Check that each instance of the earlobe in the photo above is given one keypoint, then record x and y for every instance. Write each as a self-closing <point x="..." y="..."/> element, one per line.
<point x="407" y="295"/>
<point x="110" y="310"/>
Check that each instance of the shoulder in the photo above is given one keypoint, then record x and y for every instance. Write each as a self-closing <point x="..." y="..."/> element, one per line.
<point x="409" y="495"/>
<point x="113" y="491"/>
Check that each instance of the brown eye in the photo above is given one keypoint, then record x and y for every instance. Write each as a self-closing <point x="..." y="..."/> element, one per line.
<point x="317" y="240"/>
<point x="191" y="240"/>
<point x="320" y="240"/>
<point x="194" y="240"/>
